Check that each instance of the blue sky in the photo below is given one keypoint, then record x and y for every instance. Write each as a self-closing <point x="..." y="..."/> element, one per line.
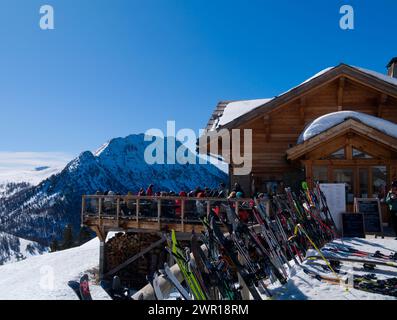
<point x="116" y="67"/>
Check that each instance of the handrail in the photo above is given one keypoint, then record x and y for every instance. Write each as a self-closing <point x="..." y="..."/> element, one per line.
<point x="136" y="197"/>
<point x="119" y="202"/>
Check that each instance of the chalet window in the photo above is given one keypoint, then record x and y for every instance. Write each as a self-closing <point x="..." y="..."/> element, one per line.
<point x="320" y="174"/>
<point x="340" y="154"/>
<point x="363" y="174"/>
<point x="379" y="181"/>
<point x="357" y="154"/>
<point x="346" y="176"/>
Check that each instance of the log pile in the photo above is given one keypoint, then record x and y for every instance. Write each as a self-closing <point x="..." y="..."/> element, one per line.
<point x="126" y="245"/>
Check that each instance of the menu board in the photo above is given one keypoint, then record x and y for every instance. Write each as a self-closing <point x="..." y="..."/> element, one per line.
<point x="335" y="193"/>
<point x="371" y="210"/>
<point x="353" y="225"/>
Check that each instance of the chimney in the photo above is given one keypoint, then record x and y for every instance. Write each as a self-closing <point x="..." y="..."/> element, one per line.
<point x="392" y="68"/>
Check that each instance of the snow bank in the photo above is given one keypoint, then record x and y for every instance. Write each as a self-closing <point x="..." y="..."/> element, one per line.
<point x="45" y="277"/>
<point x="330" y="120"/>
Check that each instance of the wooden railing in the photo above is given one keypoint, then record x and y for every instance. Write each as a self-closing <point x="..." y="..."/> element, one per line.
<point x="144" y="211"/>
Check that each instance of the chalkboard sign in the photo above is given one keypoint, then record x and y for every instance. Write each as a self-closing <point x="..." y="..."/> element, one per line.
<point x="371" y="210"/>
<point x="353" y="225"/>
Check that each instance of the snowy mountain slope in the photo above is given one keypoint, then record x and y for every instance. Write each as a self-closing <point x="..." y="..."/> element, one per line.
<point x="40" y="213"/>
<point x="45" y="277"/>
<point x="14" y="249"/>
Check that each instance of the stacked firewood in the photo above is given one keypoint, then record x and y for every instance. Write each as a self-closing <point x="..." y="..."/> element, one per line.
<point x="126" y="245"/>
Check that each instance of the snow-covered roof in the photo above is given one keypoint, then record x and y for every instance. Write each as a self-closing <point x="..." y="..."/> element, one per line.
<point x="330" y="120"/>
<point x="227" y="112"/>
<point x="236" y="109"/>
<point x="381" y="76"/>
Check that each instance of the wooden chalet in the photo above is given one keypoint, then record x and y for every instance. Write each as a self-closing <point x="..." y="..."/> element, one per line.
<point x="351" y="151"/>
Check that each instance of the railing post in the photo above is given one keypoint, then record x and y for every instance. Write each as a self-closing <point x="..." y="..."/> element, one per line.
<point x="100" y="208"/>
<point x="137" y="210"/>
<point x="183" y="214"/>
<point x="159" y="213"/>
<point x="118" y="212"/>
<point x="208" y="208"/>
<point x="82" y="210"/>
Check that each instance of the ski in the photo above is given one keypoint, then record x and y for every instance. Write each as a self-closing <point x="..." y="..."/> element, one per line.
<point x="156" y="286"/>
<point x="180" y="257"/>
<point x="216" y="272"/>
<point x="174" y="281"/>
<point x="359" y="253"/>
<point x="247" y="272"/>
<point x="353" y="260"/>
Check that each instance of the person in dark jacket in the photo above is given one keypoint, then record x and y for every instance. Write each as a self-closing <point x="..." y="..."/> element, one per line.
<point x="391" y="200"/>
<point x="223" y="192"/>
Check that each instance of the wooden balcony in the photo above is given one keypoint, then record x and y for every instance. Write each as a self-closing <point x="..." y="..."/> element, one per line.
<point x="103" y="213"/>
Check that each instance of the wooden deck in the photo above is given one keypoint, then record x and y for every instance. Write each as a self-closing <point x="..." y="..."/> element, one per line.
<point x="132" y="213"/>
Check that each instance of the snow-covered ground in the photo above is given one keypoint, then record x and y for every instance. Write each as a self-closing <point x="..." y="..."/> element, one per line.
<point x="45" y="277"/>
<point x="301" y="286"/>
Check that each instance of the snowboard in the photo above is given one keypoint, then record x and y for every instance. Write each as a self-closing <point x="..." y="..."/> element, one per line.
<point x="75" y="286"/>
<point x="85" y="288"/>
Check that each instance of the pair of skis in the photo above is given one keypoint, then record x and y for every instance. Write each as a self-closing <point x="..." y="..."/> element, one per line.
<point x="187" y="268"/>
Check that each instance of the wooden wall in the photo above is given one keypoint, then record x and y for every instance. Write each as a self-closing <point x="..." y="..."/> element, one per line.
<point x="278" y="130"/>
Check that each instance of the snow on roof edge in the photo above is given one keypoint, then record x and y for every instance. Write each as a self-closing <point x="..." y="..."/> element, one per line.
<point x="330" y="120"/>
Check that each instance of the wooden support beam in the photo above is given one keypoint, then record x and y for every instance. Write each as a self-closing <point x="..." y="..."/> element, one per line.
<point x="135" y="257"/>
<point x="341" y="88"/>
<point x="102" y="262"/>
<point x="101" y="234"/>
<point x="348" y="147"/>
<point x="137" y="210"/>
<point x="118" y="212"/>
<point x="159" y="213"/>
